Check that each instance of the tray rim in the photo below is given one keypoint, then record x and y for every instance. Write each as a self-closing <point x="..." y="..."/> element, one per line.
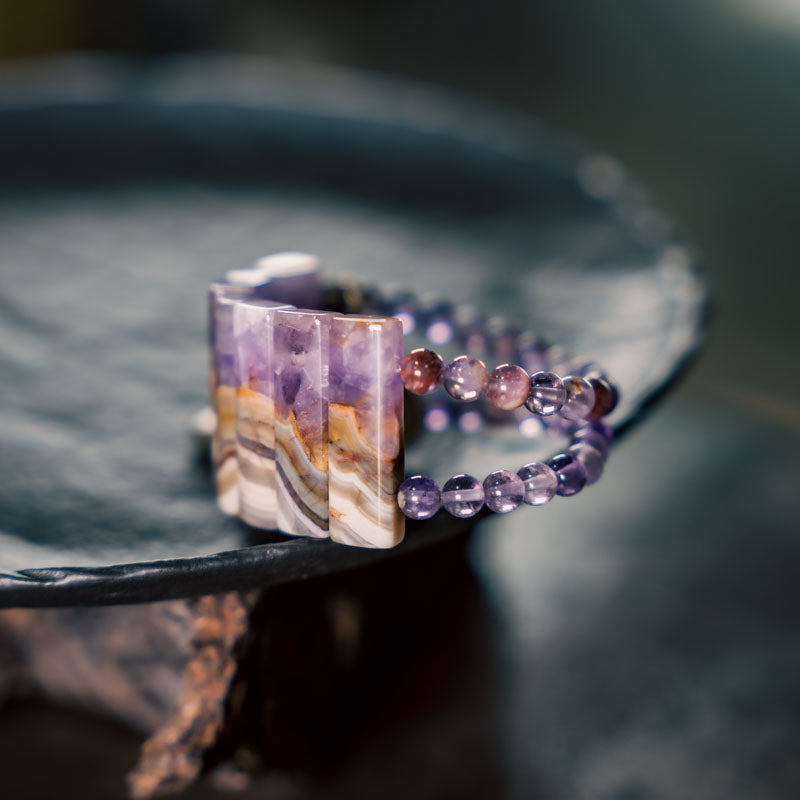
<point x="277" y="85"/>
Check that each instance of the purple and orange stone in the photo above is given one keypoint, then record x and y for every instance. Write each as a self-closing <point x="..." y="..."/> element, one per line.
<point x="422" y="371"/>
<point x="508" y="387"/>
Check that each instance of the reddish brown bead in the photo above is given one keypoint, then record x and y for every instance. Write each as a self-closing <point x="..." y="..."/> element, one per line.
<point x="605" y="398"/>
<point x="422" y="371"/>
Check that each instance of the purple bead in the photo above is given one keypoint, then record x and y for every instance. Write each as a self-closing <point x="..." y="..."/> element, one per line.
<point x="570" y="472"/>
<point x="462" y="496"/>
<point x="466" y="378"/>
<point x="547" y="393"/>
<point x="540" y="483"/>
<point x="508" y="387"/>
<point x="591" y="438"/>
<point x="580" y="398"/>
<point x="503" y="491"/>
<point x="605" y="429"/>
<point x="592" y="460"/>
<point x="419" y="497"/>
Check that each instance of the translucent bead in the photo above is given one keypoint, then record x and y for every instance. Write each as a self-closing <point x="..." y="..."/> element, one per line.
<point x="419" y="497"/>
<point x="466" y="378"/>
<point x="462" y="496"/>
<point x="508" y="387"/>
<point x="546" y="395"/>
<point x="591" y="438"/>
<point x="503" y="491"/>
<point x="422" y="371"/>
<point x="606" y="431"/>
<point x="580" y="398"/>
<point x="592" y="460"/>
<point x="540" y="483"/>
<point x="606" y="398"/>
<point x="570" y="472"/>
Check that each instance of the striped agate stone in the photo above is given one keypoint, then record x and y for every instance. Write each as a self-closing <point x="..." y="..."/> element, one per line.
<point x="222" y="299"/>
<point x="300" y="361"/>
<point x="365" y="428"/>
<point x="255" y="411"/>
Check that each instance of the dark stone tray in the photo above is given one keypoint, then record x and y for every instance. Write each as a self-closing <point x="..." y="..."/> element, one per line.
<point x="124" y="190"/>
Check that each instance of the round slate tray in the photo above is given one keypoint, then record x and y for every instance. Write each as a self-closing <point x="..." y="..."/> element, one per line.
<point x="125" y="190"/>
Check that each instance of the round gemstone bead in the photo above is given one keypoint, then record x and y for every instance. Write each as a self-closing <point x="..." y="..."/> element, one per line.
<point x="508" y="387"/>
<point x="606" y="431"/>
<point x="462" y="496"/>
<point x="419" y="497"/>
<point x="546" y="393"/>
<point x="540" y="483"/>
<point x="466" y="378"/>
<point x="503" y="491"/>
<point x="570" y="472"/>
<point x="591" y="438"/>
<point x="422" y="371"/>
<point x="592" y="460"/>
<point x="580" y="398"/>
<point x="606" y="398"/>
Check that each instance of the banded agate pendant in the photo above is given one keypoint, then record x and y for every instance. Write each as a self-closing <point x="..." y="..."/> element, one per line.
<point x="255" y="411"/>
<point x="300" y="358"/>
<point x="365" y="430"/>
<point x="222" y="300"/>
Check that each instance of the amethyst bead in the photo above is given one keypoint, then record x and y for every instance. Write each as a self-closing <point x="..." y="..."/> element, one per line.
<point x="462" y="496"/>
<point x="540" y="483"/>
<point x="592" y="460"/>
<point x="570" y="472"/>
<point x="591" y="438"/>
<point x="508" y="387"/>
<point x="419" y="497"/>
<point x="503" y="491"/>
<point x="466" y="378"/>
<point x="606" y="431"/>
<point x="422" y="371"/>
<point x="547" y="394"/>
<point x="580" y="398"/>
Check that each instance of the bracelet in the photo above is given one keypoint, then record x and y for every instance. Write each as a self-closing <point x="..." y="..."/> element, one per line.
<point x="307" y="381"/>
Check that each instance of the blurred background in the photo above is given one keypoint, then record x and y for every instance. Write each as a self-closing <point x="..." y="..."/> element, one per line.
<point x="659" y="658"/>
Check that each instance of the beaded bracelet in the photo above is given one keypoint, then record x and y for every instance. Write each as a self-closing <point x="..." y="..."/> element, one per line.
<point x="310" y="408"/>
